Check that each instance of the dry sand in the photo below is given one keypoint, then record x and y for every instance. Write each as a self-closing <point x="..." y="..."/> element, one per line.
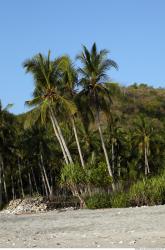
<point x="124" y="227"/>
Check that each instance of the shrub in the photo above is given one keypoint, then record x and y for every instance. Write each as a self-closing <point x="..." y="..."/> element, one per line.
<point x="119" y="200"/>
<point x="98" y="176"/>
<point x="137" y="194"/>
<point x="148" y="192"/>
<point x="72" y="174"/>
<point x="101" y="200"/>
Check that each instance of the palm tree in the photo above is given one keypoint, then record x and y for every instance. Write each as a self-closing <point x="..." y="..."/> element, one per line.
<point x="142" y="136"/>
<point x="116" y="138"/>
<point x="46" y="96"/>
<point x="48" y="99"/>
<point x="93" y="75"/>
<point x="69" y="81"/>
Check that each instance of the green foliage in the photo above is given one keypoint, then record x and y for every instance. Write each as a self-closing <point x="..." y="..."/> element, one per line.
<point x="148" y="192"/>
<point x="72" y="174"/>
<point x="145" y="192"/>
<point x="119" y="200"/>
<point x="101" y="200"/>
<point x="105" y="200"/>
<point x="98" y="175"/>
<point x="132" y="122"/>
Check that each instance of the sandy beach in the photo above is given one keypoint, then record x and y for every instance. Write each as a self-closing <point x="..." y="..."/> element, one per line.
<point x="122" y="227"/>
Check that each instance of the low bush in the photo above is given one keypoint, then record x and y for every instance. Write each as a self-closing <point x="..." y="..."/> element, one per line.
<point x="145" y="192"/>
<point x="148" y="192"/>
<point x="98" y="176"/>
<point x="119" y="200"/>
<point x="72" y="174"/>
<point x="100" y="200"/>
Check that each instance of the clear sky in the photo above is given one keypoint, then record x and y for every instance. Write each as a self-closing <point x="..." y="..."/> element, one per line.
<point x="133" y="31"/>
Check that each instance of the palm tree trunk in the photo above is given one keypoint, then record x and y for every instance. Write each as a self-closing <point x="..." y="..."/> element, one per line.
<point x="75" y="193"/>
<point x="77" y="141"/>
<point x="12" y="186"/>
<point x="4" y="182"/>
<point x="34" y="179"/>
<point x="105" y="151"/>
<point x="113" y="157"/>
<point x="43" y="181"/>
<point x="147" y="170"/>
<point x="62" y="138"/>
<point x="19" y="192"/>
<point x="58" y="137"/>
<point x="45" y="174"/>
<point x="119" y="166"/>
<point x="30" y="185"/>
<point x="20" y="177"/>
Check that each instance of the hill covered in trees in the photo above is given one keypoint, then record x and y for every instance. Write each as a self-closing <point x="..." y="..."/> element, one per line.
<point x="84" y="136"/>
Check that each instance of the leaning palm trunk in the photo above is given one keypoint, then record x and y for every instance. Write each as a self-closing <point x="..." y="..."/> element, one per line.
<point x="77" y="142"/>
<point x="13" y="189"/>
<point x="30" y="185"/>
<point x="58" y="137"/>
<point x="45" y="174"/>
<point x="76" y="193"/>
<point x="5" y="187"/>
<point x="34" y="180"/>
<point x="44" y="182"/>
<point x="62" y="138"/>
<point x="147" y="169"/>
<point x="119" y="166"/>
<point x="4" y="182"/>
<point x="21" y="183"/>
<point x="105" y="151"/>
<point x="113" y="157"/>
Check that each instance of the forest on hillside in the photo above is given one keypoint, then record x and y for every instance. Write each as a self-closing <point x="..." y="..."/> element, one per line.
<point x="84" y="136"/>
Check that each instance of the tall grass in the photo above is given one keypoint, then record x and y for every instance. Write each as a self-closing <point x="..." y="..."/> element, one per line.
<point x="145" y="192"/>
<point x="148" y="192"/>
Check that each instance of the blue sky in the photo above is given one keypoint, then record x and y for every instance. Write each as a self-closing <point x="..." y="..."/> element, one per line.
<point x="133" y="31"/>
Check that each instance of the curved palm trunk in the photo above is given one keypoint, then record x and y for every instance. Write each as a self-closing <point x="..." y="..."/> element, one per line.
<point x="20" y="177"/>
<point x="45" y="174"/>
<point x="147" y="169"/>
<point x="13" y="189"/>
<point x="76" y="193"/>
<point x="30" y="185"/>
<point x="62" y="138"/>
<point x="105" y="151"/>
<point x="113" y="158"/>
<point x="58" y="137"/>
<point x="4" y="181"/>
<point x="77" y="141"/>
<point x="43" y="181"/>
<point x="34" y="179"/>
<point x="5" y="187"/>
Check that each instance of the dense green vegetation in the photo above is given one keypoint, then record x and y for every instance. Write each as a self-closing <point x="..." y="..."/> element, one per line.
<point x="84" y="136"/>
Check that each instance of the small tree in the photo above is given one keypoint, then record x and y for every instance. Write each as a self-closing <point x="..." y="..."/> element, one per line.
<point x="73" y="176"/>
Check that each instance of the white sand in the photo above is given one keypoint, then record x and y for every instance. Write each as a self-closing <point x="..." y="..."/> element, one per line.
<point x="125" y="227"/>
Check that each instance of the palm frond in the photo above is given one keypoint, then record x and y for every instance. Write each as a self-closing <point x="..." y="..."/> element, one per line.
<point x="31" y="118"/>
<point x="68" y="105"/>
<point x="34" y="102"/>
<point x="10" y="105"/>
